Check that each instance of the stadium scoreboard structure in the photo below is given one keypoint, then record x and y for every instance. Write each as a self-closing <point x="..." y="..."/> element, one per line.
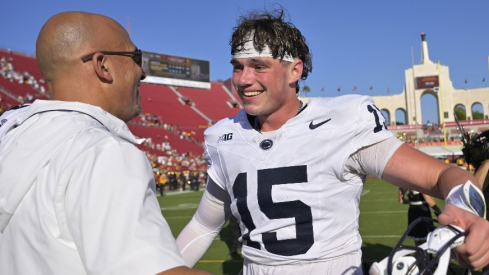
<point x="176" y="70"/>
<point x="427" y="82"/>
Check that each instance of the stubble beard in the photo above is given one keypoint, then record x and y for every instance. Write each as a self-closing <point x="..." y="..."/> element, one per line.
<point x="138" y="103"/>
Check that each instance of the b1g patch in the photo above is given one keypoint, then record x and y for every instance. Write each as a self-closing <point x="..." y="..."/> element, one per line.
<point x="226" y="137"/>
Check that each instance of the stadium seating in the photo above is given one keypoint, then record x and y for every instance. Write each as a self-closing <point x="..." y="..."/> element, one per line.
<point x="215" y="103"/>
<point x="171" y="105"/>
<point x="163" y="101"/>
<point x="26" y="78"/>
<point x="23" y="62"/>
<point x="20" y="90"/>
<point x="160" y="135"/>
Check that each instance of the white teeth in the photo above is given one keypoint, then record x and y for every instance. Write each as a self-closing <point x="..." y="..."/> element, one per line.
<point x="251" y="93"/>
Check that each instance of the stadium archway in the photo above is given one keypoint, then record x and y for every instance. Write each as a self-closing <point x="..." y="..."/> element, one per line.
<point x="460" y="111"/>
<point x="401" y="118"/>
<point x="386" y="115"/>
<point x="428" y="78"/>
<point x="429" y="107"/>
<point x="478" y="111"/>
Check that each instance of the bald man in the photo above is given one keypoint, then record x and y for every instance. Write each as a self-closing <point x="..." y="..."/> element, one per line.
<point x="76" y="195"/>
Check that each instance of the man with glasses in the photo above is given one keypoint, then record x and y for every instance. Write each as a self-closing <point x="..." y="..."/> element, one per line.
<point x="76" y="195"/>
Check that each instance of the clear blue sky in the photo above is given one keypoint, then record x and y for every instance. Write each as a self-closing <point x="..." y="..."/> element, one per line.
<point x="360" y="43"/>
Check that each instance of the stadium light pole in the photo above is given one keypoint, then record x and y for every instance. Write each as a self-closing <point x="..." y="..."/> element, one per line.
<point x="441" y="105"/>
<point x="129" y="26"/>
<point x="414" y="98"/>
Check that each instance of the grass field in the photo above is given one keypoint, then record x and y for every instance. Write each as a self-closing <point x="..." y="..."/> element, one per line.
<point x="382" y="222"/>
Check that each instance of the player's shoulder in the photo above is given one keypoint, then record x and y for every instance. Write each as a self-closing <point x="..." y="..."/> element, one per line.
<point x="227" y="124"/>
<point x="347" y="112"/>
<point x="340" y="102"/>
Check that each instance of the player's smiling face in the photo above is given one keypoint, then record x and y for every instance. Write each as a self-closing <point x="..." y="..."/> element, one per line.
<point x="264" y="84"/>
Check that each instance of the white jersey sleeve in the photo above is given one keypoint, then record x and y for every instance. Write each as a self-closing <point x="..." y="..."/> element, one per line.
<point x="371" y="160"/>
<point x="200" y="232"/>
<point x="363" y="126"/>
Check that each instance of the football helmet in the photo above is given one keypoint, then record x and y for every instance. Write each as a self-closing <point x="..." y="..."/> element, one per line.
<point x="433" y="256"/>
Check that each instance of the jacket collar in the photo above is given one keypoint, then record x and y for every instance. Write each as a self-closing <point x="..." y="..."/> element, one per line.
<point x="112" y="123"/>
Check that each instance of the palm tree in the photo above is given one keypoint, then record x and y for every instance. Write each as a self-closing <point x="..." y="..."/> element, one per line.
<point x="306" y="90"/>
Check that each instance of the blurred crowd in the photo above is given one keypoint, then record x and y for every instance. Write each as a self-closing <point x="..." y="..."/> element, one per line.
<point x="8" y="72"/>
<point x="457" y="160"/>
<point x="173" y="170"/>
<point x="153" y="120"/>
<point x="178" y="172"/>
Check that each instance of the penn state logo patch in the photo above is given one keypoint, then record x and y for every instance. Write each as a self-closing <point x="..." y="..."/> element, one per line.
<point x="266" y="144"/>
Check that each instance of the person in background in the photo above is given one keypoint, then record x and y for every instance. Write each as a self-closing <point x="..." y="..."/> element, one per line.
<point x="419" y="206"/>
<point x="481" y="176"/>
<point x="194" y="180"/>
<point x="161" y="183"/>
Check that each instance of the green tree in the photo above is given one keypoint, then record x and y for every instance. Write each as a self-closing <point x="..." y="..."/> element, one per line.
<point x="460" y="113"/>
<point x="477" y="115"/>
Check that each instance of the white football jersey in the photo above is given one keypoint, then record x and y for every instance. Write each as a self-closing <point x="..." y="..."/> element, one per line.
<point x="294" y="197"/>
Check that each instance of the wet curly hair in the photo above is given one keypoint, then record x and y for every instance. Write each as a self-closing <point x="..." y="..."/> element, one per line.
<point x="270" y="28"/>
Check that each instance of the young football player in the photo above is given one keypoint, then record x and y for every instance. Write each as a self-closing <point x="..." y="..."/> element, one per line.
<point x="292" y="173"/>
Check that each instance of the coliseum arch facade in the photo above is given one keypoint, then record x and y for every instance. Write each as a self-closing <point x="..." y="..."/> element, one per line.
<point x="432" y="78"/>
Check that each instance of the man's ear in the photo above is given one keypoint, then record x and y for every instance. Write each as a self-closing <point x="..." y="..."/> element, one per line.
<point x="101" y="67"/>
<point x="297" y="67"/>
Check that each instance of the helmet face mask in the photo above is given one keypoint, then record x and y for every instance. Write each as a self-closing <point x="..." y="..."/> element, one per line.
<point x="432" y="257"/>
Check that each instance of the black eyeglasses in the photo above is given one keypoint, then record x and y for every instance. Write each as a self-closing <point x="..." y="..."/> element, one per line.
<point x="136" y="55"/>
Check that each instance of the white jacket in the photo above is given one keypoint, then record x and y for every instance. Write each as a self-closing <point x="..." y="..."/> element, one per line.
<point x="77" y="197"/>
